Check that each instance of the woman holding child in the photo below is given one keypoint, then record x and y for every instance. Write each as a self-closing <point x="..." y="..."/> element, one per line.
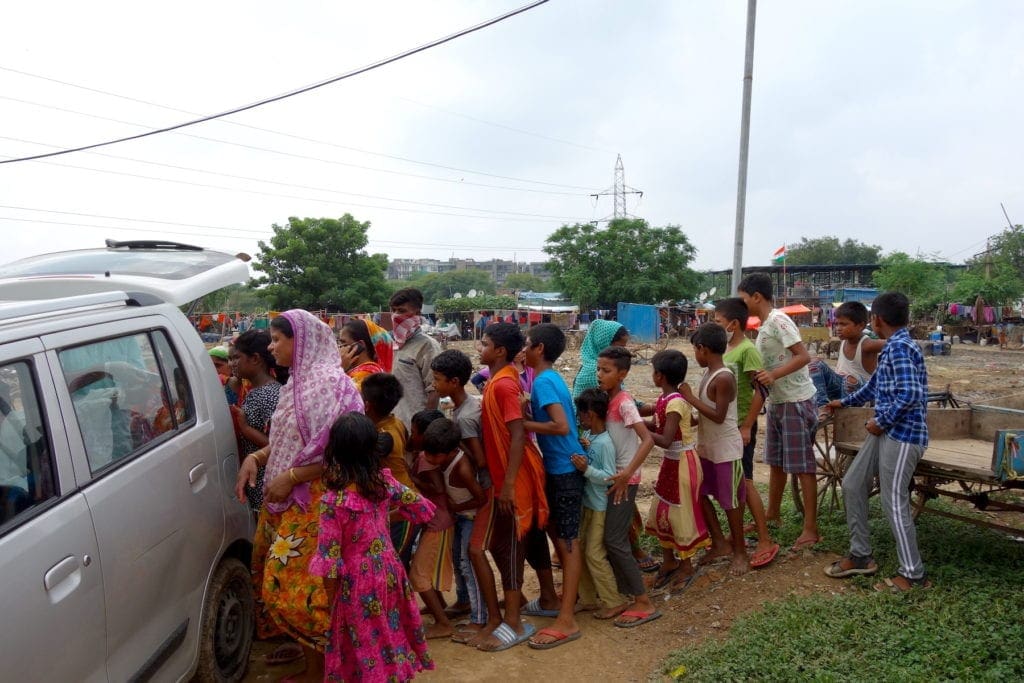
<point x="317" y="392"/>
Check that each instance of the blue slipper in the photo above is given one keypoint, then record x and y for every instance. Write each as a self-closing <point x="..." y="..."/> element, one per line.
<point x="533" y="609"/>
<point x="507" y="637"/>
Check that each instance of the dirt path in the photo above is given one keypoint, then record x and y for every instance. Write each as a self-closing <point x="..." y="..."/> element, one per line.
<point x="715" y="600"/>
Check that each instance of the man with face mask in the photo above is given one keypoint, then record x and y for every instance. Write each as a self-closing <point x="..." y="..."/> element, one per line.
<point x="414" y="352"/>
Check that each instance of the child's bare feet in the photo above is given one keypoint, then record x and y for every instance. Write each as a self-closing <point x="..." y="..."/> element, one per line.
<point x="740" y="564"/>
<point x="435" y="631"/>
<point x="715" y="553"/>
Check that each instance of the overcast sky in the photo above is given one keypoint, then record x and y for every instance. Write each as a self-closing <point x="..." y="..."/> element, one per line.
<point x="898" y="124"/>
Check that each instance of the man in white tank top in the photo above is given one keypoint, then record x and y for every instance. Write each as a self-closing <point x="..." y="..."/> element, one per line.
<point x="858" y="356"/>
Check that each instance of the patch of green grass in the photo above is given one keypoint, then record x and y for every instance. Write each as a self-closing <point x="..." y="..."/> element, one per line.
<point x="969" y="626"/>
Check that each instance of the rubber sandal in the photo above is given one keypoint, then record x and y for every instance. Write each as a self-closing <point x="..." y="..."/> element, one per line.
<point x="861" y="566"/>
<point x="764" y="557"/>
<point x="640" y="617"/>
<point x="508" y="638"/>
<point x="648" y="564"/>
<point x="680" y="586"/>
<point x="285" y="653"/>
<point x="662" y="580"/>
<point x="807" y="544"/>
<point x="890" y="586"/>
<point x="560" y="638"/>
<point x="533" y="609"/>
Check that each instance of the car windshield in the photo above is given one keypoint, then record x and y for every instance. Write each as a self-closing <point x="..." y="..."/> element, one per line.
<point x="155" y="263"/>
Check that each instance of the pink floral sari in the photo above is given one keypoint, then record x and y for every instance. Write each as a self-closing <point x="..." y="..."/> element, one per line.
<point x="317" y="392"/>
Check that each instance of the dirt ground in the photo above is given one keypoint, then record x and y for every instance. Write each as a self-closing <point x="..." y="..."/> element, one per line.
<point x="715" y="599"/>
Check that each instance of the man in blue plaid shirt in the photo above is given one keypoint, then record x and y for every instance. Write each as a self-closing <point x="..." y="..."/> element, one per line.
<point x="896" y="440"/>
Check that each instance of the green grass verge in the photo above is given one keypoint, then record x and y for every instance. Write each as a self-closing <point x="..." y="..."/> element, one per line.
<point x="969" y="626"/>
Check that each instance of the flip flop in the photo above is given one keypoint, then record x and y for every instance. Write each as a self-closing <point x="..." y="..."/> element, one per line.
<point x="805" y="544"/>
<point x="285" y="653"/>
<point x="560" y="638"/>
<point x="764" y="557"/>
<point x="507" y="637"/>
<point x="648" y="564"/>
<point x="663" y="580"/>
<point x="533" y="609"/>
<point x="681" y="586"/>
<point x="862" y="566"/>
<point x="463" y="636"/>
<point x="641" y="618"/>
<point x="889" y="585"/>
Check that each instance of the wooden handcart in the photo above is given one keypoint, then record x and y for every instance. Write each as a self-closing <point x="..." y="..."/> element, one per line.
<point x="970" y="458"/>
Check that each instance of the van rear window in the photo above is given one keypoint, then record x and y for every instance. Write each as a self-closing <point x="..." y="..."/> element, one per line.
<point x="160" y="264"/>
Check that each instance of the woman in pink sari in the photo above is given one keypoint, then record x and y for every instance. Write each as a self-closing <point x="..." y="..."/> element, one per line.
<point x="294" y="602"/>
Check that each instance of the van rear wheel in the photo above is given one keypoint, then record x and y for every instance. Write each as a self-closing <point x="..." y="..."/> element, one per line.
<point x="229" y="622"/>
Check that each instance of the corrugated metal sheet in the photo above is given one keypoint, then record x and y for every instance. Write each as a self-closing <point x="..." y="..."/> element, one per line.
<point x="641" y="320"/>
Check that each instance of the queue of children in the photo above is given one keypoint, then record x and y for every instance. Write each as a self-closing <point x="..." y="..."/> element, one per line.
<point x="406" y="511"/>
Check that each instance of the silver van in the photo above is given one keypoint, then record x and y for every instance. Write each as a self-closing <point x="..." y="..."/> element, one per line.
<point x="123" y="553"/>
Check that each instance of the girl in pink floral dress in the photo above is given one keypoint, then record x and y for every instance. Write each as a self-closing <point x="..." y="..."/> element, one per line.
<point x="376" y="633"/>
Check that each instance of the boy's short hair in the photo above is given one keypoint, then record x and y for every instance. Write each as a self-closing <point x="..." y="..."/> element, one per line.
<point x="425" y="418"/>
<point x="442" y="436"/>
<point x="551" y="336"/>
<point x="408" y="295"/>
<point x="854" y="311"/>
<point x="593" y="399"/>
<point x="893" y="308"/>
<point x="618" y="355"/>
<point x="382" y="391"/>
<point x="507" y="336"/>
<point x="670" y="363"/>
<point x="453" y="364"/>
<point x="711" y="336"/>
<point x="757" y="283"/>
<point x="734" y="308"/>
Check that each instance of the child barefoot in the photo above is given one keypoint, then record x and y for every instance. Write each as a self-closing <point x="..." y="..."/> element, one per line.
<point x="719" y="444"/>
<point x="375" y="633"/>
<point x="675" y="518"/>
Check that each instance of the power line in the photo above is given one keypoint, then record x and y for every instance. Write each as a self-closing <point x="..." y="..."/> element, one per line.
<point x="502" y="126"/>
<point x="325" y="142"/>
<point x="332" y="161"/>
<point x="296" y="185"/>
<point x="293" y="93"/>
<point x="289" y="196"/>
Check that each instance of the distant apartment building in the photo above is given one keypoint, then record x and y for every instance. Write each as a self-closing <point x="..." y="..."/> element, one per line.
<point x="498" y="269"/>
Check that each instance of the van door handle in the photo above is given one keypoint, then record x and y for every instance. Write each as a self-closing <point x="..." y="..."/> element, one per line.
<point x="197" y="477"/>
<point x="62" y="578"/>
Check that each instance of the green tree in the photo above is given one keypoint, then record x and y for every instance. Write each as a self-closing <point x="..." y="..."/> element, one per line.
<point x="482" y="302"/>
<point x="921" y="280"/>
<point x="526" y="282"/>
<point x="627" y="261"/>
<point x="321" y="263"/>
<point x="826" y="251"/>
<point x="996" y="275"/>
<point x="443" y="285"/>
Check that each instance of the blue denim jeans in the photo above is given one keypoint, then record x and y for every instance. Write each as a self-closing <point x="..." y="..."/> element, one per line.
<point x="829" y="383"/>
<point x="466" y="587"/>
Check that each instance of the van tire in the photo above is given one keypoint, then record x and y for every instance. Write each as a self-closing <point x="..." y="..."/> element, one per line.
<point x="228" y="626"/>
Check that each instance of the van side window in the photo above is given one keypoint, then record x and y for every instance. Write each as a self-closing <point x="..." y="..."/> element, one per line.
<point x="178" y="409"/>
<point x="119" y="396"/>
<point x="26" y="467"/>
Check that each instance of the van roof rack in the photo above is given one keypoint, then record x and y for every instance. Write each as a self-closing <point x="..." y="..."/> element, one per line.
<point x="150" y="244"/>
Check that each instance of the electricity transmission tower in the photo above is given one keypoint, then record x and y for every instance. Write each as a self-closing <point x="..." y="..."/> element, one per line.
<point x="618" y="191"/>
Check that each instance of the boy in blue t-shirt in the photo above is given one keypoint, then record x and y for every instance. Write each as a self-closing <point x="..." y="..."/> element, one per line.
<point x="553" y="419"/>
